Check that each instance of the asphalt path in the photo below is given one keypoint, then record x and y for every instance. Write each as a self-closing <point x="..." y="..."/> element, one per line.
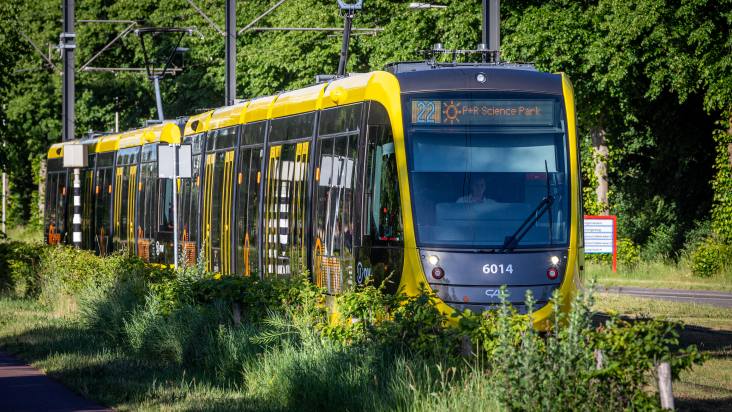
<point x="702" y="297"/>
<point x="24" y="388"/>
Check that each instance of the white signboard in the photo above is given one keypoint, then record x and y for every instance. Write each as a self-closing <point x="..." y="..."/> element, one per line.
<point x="166" y="169"/>
<point x="600" y="236"/>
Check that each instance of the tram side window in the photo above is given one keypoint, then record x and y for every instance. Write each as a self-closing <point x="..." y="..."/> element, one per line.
<point x="123" y="184"/>
<point x="189" y="206"/>
<point x="217" y="199"/>
<point x="190" y="189"/>
<point x="54" y="221"/>
<point x="146" y="212"/>
<point x="102" y="207"/>
<point x="338" y="138"/>
<point x="126" y="188"/>
<point x="49" y="216"/>
<point x="87" y="193"/>
<point x="221" y="138"/>
<point x="346" y="119"/>
<point x="286" y="187"/>
<point x="165" y="206"/>
<point x="248" y="179"/>
<point x="292" y="128"/>
<point x="382" y="203"/>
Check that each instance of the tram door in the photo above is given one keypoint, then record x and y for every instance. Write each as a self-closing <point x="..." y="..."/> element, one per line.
<point x="217" y="210"/>
<point x="87" y="210"/>
<point x="124" y="208"/>
<point x="103" y="203"/>
<point x="188" y="203"/>
<point x="248" y="182"/>
<point x="285" y="230"/>
<point x="333" y="228"/>
<point x="333" y="197"/>
<point x="55" y="218"/>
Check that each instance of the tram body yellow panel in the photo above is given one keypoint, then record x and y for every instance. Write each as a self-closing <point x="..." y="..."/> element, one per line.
<point x="572" y="280"/>
<point x="384" y="88"/>
<point x="57" y="150"/>
<point x="202" y="120"/>
<point x="258" y="109"/>
<point x="354" y="86"/>
<point x="108" y="143"/>
<point x="131" y="138"/>
<point x="93" y="144"/>
<point x="297" y="101"/>
<point x="165" y="132"/>
<point x="226" y="116"/>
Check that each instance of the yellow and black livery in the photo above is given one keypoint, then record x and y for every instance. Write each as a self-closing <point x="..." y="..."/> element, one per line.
<point x="462" y="179"/>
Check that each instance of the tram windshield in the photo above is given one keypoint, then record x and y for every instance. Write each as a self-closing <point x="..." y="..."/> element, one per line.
<point x="481" y="162"/>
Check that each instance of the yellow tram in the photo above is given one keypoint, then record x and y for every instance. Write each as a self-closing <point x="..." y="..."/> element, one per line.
<point x="463" y="178"/>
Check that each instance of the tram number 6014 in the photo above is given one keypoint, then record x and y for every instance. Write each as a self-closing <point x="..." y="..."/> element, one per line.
<point x="496" y="268"/>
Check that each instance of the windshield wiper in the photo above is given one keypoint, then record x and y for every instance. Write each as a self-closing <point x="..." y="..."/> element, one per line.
<point x="534" y="216"/>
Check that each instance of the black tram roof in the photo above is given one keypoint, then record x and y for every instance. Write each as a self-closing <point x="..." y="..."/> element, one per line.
<point x="422" y="77"/>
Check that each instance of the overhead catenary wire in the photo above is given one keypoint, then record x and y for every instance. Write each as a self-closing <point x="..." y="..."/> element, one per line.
<point x="261" y="51"/>
<point x="38" y="14"/>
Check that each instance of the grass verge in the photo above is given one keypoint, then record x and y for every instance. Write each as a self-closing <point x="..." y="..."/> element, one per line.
<point x="137" y="337"/>
<point x="273" y="379"/>
<point x="25" y="234"/>
<point x="706" y="387"/>
<point x="658" y="275"/>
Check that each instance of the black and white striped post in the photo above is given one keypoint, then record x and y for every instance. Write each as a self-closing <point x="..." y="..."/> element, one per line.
<point x="76" y="157"/>
<point x="77" y="209"/>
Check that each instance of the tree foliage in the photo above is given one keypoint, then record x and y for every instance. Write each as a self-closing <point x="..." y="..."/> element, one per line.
<point x="656" y="73"/>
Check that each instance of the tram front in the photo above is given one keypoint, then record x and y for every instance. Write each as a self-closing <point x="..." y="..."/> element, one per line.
<point x="492" y="170"/>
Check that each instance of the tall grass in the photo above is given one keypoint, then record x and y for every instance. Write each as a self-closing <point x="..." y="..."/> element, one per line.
<point x="146" y="340"/>
<point x="657" y="274"/>
<point x="280" y="364"/>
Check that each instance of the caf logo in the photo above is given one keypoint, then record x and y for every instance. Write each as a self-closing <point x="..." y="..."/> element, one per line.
<point x="362" y="273"/>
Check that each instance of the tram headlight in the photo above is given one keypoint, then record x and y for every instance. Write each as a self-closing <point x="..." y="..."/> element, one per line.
<point x="555" y="260"/>
<point x="434" y="260"/>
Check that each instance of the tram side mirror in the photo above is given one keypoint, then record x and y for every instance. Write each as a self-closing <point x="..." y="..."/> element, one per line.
<point x="166" y="162"/>
<point x="76" y="156"/>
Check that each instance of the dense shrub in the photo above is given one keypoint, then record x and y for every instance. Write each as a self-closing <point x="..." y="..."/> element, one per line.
<point x="19" y="267"/>
<point x="711" y="257"/>
<point x="628" y="252"/>
<point x="660" y="245"/>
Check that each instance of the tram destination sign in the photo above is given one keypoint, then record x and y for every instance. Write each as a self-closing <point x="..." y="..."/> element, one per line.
<point x="600" y="236"/>
<point x="483" y="112"/>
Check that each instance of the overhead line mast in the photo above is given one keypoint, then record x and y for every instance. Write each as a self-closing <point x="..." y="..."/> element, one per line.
<point x="67" y="50"/>
<point x="230" y="27"/>
<point x="492" y="26"/>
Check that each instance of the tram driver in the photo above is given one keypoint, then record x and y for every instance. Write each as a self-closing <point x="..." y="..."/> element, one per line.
<point x="477" y="192"/>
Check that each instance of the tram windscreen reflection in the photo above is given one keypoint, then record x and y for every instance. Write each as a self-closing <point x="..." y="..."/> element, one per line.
<point x="473" y="187"/>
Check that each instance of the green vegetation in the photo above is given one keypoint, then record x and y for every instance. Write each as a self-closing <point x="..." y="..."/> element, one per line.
<point x="715" y="373"/>
<point x="652" y="78"/>
<point x="136" y="337"/>
<point x="669" y="274"/>
<point x="27" y="233"/>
